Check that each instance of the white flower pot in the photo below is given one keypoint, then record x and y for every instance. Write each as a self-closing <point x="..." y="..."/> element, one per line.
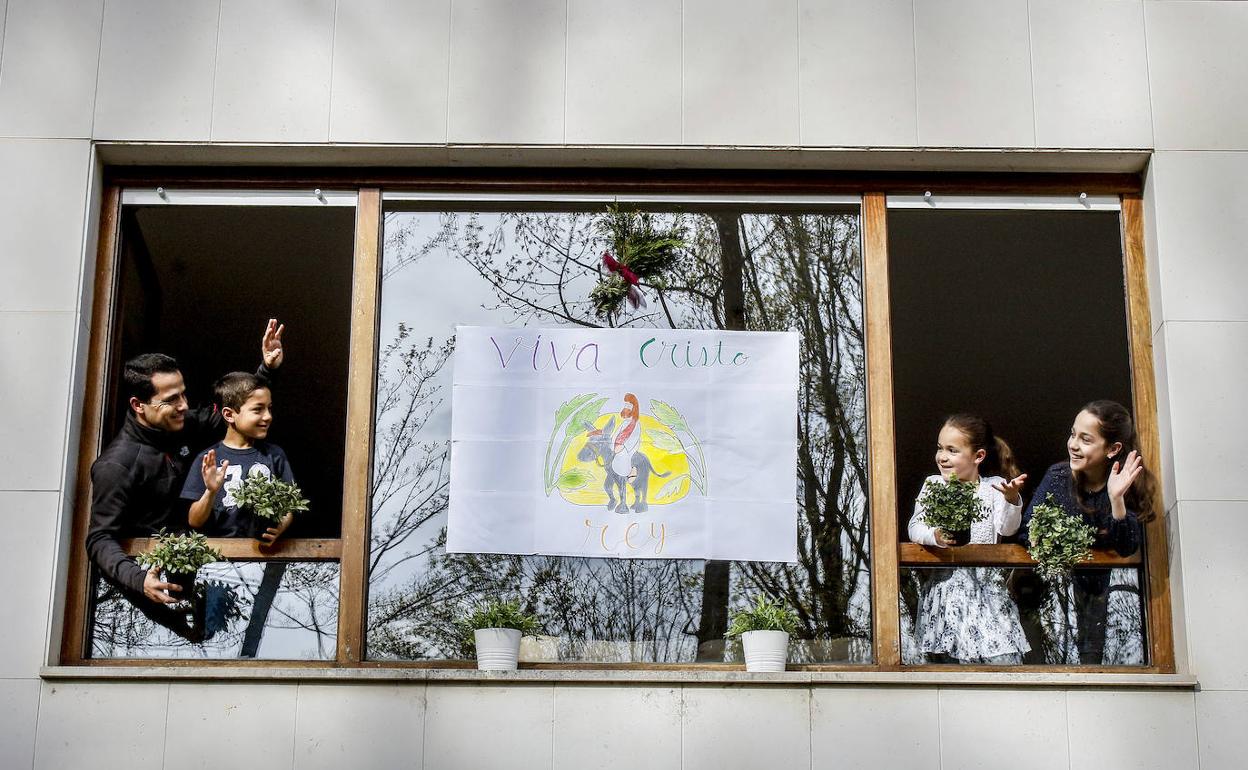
<point x="498" y="649"/>
<point x="765" y="650"/>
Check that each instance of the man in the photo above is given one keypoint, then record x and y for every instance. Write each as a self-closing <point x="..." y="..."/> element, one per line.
<point x="137" y="479"/>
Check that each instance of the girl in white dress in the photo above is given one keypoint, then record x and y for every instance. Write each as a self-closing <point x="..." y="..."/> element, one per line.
<point x="966" y="614"/>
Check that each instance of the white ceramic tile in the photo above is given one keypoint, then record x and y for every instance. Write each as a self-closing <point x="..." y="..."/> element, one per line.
<point x="739" y="727"/>
<point x="1215" y="581"/>
<point x="740" y="72"/>
<point x="1152" y="255"/>
<point x="1198" y="71"/>
<point x="1140" y="730"/>
<point x="32" y="439"/>
<point x="273" y="71"/>
<point x="1178" y="590"/>
<point x="482" y="727"/>
<point x="19" y="708"/>
<point x="1200" y="202"/>
<point x="623" y="72"/>
<point x="41" y="222"/>
<point x="382" y="728"/>
<point x="390" y="75"/>
<point x="617" y="727"/>
<point x="507" y="71"/>
<point x="991" y="729"/>
<point x="1090" y="74"/>
<point x="102" y="725"/>
<point x="214" y="725"/>
<point x="1207" y="375"/>
<point x="857" y="727"/>
<point x="974" y="73"/>
<point x="156" y="64"/>
<point x="28" y="518"/>
<point x="1220" y="721"/>
<point x="856" y="67"/>
<point x="47" y="78"/>
<point x="1163" y="467"/>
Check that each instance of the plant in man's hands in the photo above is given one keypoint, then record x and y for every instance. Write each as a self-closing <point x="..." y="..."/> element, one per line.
<point x="180" y="554"/>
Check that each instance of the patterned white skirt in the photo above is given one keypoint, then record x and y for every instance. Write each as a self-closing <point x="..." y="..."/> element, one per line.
<point x="969" y="615"/>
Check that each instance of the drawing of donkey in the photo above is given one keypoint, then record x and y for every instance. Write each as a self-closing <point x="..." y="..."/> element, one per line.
<point x="598" y="448"/>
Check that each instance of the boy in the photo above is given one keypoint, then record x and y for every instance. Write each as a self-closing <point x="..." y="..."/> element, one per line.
<point x="246" y="406"/>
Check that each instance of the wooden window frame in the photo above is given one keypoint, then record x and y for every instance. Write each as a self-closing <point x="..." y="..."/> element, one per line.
<point x="888" y="555"/>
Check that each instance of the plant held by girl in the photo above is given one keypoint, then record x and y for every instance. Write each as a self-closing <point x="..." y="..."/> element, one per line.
<point x="270" y="498"/>
<point x="764" y="615"/>
<point x="953" y="505"/>
<point x="180" y="554"/>
<point x="1058" y="540"/>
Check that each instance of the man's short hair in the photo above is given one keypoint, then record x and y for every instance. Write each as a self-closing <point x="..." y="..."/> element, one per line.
<point x="138" y="371"/>
<point x="235" y="388"/>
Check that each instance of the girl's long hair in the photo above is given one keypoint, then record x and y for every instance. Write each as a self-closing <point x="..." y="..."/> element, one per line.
<point x="1117" y="427"/>
<point x="998" y="457"/>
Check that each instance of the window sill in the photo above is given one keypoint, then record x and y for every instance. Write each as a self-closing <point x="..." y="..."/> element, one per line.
<point x="1055" y="679"/>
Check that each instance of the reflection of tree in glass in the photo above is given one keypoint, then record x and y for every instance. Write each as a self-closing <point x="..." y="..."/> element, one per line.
<point x="741" y="271"/>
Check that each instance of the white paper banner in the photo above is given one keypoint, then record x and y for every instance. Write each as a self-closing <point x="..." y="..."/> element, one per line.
<point x="632" y="443"/>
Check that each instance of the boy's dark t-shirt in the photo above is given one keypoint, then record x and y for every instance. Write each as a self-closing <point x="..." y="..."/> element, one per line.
<point x="227" y="520"/>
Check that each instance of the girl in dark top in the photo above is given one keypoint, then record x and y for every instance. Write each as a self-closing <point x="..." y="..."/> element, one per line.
<point x="1105" y="482"/>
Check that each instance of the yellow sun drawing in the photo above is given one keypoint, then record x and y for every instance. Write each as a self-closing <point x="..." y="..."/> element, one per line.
<point x="662" y="490"/>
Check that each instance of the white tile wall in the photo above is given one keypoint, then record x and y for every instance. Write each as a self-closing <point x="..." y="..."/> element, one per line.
<point x="974" y="73"/>
<point x="644" y="731"/>
<point x="391" y="71"/>
<point x="47" y="77"/>
<point x="28" y="518"/>
<point x="479" y="728"/>
<point x="1090" y="74"/>
<point x="1140" y="730"/>
<point x="360" y="726"/>
<point x="846" y="727"/>
<point x="19" y="707"/>
<point x="507" y="71"/>
<point x="1207" y="375"/>
<point x="102" y="725"/>
<point x="273" y="71"/>
<point x="214" y="725"/>
<point x="37" y="349"/>
<point x="623" y="72"/>
<point x="1220" y="721"/>
<point x="1165" y="424"/>
<point x="992" y="729"/>
<point x="1151" y="252"/>
<point x="1215" y="581"/>
<point x="1198" y="70"/>
<point x="730" y="728"/>
<point x="1201" y="198"/>
<point x="41" y="222"/>
<point x="156" y="68"/>
<point x="740" y="72"/>
<point x="856" y="73"/>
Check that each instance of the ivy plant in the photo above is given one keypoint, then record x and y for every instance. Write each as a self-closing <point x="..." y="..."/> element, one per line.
<point x="764" y="615"/>
<point x="180" y="554"/>
<point x="1059" y="540"/>
<point x="270" y="498"/>
<point x="953" y="505"/>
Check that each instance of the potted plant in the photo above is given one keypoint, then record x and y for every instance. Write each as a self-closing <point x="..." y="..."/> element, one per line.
<point x="764" y="630"/>
<point x="496" y="627"/>
<point x="270" y="500"/>
<point x="1059" y="540"/>
<point x="952" y="506"/>
<point x="179" y="558"/>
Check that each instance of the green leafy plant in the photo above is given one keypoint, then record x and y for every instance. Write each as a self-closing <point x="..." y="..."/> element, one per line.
<point x="1059" y="540"/>
<point x="642" y="250"/>
<point x="180" y="554"/>
<point x="270" y="498"/>
<point x="953" y="505"/>
<point x="498" y="613"/>
<point x="764" y="615"/>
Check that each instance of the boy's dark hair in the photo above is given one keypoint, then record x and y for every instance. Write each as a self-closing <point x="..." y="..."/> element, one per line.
<point x="235" y="388"/>
<point x="137" y="374"/>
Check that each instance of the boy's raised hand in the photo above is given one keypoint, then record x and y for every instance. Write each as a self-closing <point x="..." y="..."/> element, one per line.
<point x="1012" y="489"/>
<point x="1123" y="475"/>
<point x="213" y="474"/>
<point x="271" y="344"/>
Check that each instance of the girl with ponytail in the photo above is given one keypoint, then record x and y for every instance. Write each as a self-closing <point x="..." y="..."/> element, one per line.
<point x="966" y="615"/>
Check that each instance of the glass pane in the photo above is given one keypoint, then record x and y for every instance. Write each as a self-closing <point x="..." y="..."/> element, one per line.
<point x="986" y="615"/>
<point x="273" y="610"/>
<point x="791" y="268"/>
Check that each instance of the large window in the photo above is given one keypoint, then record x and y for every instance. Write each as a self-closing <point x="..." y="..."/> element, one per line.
<point x="908" y="307"/>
